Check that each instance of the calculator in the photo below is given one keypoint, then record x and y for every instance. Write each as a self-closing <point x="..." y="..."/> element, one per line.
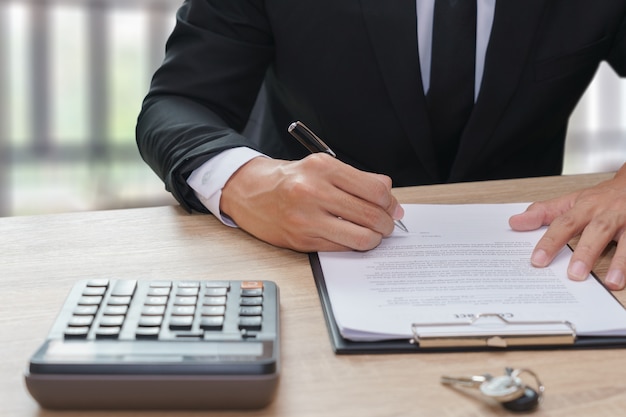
<point x="133" y="344"/>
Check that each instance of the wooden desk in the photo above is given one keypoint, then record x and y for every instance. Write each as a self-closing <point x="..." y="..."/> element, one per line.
<point x="42" y="256"/>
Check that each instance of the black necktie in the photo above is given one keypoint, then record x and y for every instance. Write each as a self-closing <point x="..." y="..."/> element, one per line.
<point x="451" y="93"/>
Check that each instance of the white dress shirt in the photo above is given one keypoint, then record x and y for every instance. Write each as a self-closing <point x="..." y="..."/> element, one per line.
<point x="208" y="180"/>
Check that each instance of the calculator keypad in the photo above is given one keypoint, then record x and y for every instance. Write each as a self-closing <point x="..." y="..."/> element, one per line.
<point x="166" y="310"/>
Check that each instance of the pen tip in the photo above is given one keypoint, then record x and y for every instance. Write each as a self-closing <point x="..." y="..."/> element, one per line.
<point x="401" y="225"/>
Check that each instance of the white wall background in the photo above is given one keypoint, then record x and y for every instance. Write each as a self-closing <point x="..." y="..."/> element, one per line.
<point x="597" y="134"/>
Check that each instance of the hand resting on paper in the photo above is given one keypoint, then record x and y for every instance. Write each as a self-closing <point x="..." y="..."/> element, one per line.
<point x="303" y="205"/>
<point x="596" y="214"/>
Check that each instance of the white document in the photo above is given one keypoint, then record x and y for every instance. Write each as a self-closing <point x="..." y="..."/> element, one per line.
<point x="457" y="262"/>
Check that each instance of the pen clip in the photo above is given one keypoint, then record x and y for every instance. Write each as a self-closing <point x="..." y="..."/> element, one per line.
<point x="309" y="139"/>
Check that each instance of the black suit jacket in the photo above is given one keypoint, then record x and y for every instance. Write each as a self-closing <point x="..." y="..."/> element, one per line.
<point x="350" y="70"/>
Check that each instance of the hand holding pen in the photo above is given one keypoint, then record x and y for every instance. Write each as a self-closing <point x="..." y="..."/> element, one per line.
<point x="314" y="144"/>
<point x="314" y="204"/>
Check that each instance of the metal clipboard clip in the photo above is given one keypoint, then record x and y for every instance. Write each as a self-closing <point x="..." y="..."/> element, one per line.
<point x="517" y="333"/>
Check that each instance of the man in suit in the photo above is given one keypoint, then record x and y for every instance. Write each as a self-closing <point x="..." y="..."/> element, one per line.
<point x="359" y="74"/>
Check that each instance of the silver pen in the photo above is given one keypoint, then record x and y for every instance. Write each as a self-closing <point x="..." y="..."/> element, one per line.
<point x="314" y="144"/>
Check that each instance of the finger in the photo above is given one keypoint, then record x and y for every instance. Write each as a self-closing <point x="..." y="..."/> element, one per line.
<point x="362" y="213"/>
<point x="616" y="276"/>
<point x="313" y="223"/>
<point x="309" y="235"/>
<point x="317" y="244"/>
<point x="334" y="234"/>
<point x="531" y="219"/>
<point x="395" y="209"/>
<point x="369" y="188"/>
<point x="350" y="194"/>
<point x="594" y="238"/>
<point x="541" y="213"/>
<point x="351" y="235"/>
<point x="374" y="188"/>
<point x="561" y="230"/>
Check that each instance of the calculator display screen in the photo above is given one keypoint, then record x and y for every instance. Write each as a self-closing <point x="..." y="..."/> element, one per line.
<point x="134" y="357"/>
<point x="135" y="351"/>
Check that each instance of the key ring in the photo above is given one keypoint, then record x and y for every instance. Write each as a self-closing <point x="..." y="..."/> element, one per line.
<point x="509" y="389"/>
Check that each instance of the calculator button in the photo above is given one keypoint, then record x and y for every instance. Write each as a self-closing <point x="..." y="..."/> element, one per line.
<point x="85" y="310"/>
<point x="108" y="321"/>
<point x="107" y="332"/>
<point x="250" y="323"/>
<point x="98" y="283"/>
<point x="115" y="310"/>
<point x="181" y="322"/>
<point x="212" y="323"/>
<point x="215" y="291"/>
<point x="118" y="300"/>
<point x="159" y="291"/>
<point x="214" y="301"/>
<point x="89" y="300"/>
<point x="147" y="332"/>
<point x="250" y="310"/>
<point x="156" y="301"/>
<point x="217" y="284"/>
<point x="150" y="321"/>
<point x="76" y="332"/>
<point x="187" y="291"/>
<point x="183" y="310"/>
<point x="94" y="290"/>
<point x="246" y="285"/>
<point x="213" y="310"/>
<point x="161" y="284"/>
<point x="185" y="301"/>
<point x="124" y="288"/>
<point x="188" y="284"/>
<point x="251" y="301"/>
<point x="153" y="310"/>
<point x="80" y="321"/>
<point x="252" y="292"/>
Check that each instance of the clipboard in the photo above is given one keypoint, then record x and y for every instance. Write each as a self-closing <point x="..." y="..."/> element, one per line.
<point x="565" y="339"/>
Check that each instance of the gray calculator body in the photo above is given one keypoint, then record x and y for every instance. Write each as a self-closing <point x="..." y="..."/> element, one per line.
<point x="125" y="344"/>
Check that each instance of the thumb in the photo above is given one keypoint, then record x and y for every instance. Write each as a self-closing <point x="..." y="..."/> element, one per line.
<point x="542" y="213"/>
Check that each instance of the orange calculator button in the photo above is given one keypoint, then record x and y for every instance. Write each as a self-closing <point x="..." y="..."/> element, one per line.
<point x="249" y="285"/>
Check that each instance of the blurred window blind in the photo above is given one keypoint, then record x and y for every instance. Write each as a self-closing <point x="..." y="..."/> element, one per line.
<point x="596" y="140"/>
<point x="73" y="74"/>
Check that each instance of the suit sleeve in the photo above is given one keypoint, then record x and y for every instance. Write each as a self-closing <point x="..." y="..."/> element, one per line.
<point x="201" y="96"/>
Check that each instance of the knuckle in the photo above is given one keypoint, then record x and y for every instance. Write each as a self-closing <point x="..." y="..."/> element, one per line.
<point x="366" y="241"/>
<point x="295" y="187"/>
<point x="604" y="225"/>
<point x="318" y="161"/>
<point x="566" y="221"/>
<point x="381" y="194"/>
<point x="371" y="216"/>
<point x="386" y="180"/>
<point x="548" y="242"/>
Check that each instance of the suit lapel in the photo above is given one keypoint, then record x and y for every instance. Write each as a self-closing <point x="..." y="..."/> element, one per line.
<point x="514" y="27"/>
<point x="395" y="46"/>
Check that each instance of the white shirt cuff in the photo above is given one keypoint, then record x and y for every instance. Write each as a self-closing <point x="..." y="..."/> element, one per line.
<point x="209" y="179"/>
